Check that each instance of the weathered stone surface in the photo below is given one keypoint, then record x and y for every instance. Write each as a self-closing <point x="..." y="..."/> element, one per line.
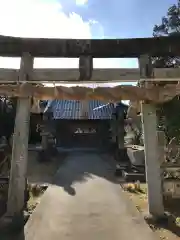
<point x="136" y="156"/>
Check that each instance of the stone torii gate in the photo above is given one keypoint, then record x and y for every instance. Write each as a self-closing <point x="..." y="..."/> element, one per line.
<point x="86" y="50"/>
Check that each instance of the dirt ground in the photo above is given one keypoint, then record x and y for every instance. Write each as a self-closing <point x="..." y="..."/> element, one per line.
<point x="41" y="174"/>
<point x="167" y="230"/>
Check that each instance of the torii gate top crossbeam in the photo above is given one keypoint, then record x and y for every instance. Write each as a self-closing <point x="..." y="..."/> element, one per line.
<point x="96" y="48"/>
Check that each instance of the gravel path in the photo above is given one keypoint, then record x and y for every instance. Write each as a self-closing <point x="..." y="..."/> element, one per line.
<point x="86" y="203"/>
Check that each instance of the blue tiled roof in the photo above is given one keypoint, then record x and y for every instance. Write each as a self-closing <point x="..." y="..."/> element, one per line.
<point x="71" y="109"/>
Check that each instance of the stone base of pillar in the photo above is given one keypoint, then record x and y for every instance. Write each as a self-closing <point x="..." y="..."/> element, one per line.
<point x="13" y="224"/>
<point x="157" y="220"/>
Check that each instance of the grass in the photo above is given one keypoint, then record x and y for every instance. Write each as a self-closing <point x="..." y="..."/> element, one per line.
<point x="168" y="229"/>
<point x="13" y="230"/>
<point x="35" y="193"/>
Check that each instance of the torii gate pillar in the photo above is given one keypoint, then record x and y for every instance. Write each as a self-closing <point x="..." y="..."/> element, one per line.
<point x="152" y="161"/>
<point x="18" y="174"/>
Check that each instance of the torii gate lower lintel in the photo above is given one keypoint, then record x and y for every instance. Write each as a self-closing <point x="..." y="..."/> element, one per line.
<point x="20" y="141"/>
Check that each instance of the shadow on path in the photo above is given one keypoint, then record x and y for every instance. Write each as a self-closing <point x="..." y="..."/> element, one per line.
<point x="80" y="166"/>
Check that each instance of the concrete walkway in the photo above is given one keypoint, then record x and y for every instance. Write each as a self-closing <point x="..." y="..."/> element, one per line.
<point x="86" y="203"/>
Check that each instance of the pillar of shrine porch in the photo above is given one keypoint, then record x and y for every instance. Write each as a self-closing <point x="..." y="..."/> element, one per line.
<point x="120" y="136"/>
<point x="44" y="133"/>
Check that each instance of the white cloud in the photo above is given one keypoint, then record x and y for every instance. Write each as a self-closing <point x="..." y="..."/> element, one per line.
<point x="41" y="18"/>
<point x="81" y="2"/>
<point x="45" y="18"/>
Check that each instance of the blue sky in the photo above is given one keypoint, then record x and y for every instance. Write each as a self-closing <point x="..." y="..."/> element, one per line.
<point x="121" y="19"/>
<point x="80" y="19"/>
